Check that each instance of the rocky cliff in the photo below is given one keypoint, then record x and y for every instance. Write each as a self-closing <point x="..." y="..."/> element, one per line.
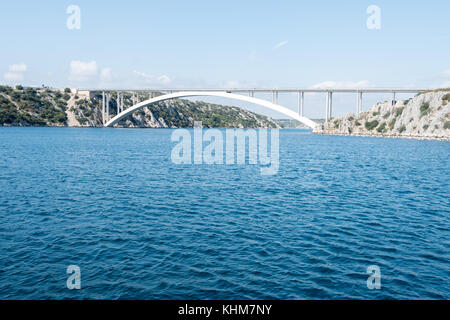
<point x="43" y="107"/>
<point x="427" y="116"/>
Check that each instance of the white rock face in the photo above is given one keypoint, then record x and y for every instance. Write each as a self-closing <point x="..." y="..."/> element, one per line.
<point x="424" y="116"/>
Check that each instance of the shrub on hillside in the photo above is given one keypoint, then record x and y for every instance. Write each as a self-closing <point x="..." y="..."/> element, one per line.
<point x="424" y="109"/>
<point x="370" y="125"/>
<point x="399" y="111"/>
<point x="381" y="127"/>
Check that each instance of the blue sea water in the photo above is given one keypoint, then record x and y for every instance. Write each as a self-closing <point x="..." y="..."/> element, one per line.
<point x="140" y="227"/>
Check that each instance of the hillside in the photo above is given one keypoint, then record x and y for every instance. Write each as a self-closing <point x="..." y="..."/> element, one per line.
<point x="427" y="116"/>
<point x="295" y="124"/>
<point x="44" y="107"/>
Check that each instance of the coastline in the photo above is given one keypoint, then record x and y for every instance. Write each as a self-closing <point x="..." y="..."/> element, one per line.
<point x="391" y="136"/>
<point x="373" y="135"/>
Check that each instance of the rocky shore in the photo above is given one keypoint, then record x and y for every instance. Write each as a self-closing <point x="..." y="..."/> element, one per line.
<point x="426" y="116"/>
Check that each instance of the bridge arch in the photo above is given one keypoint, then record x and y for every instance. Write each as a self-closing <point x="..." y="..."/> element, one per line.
<point x="288" y="112"/>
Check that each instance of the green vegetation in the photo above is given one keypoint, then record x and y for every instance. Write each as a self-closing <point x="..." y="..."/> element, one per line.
<point x="370" y="125"/>
<point x="445" y="100"/>
<point x="447" y="125"/>
<point x="392" y="124"/>
<point x="82" y="120"/>
<point x="424" y="109"/>
<point x="386" y="115"/>
<point x="30" y="107"/>
<point x="402" y="129"/>
<point x="381" y="127"/>
<point x="426" y="126"/>
<point x="399" y="111"/>
<point x="40" y="107"/>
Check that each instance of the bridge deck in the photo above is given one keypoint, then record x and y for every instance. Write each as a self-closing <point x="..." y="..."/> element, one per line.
<point x="270" y="90"/>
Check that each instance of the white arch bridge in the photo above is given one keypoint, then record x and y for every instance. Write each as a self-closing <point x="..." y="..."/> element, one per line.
<point x="246" y="95"/>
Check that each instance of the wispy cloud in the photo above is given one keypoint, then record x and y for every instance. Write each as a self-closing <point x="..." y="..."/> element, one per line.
<point x="164" y="79"/>
<point x="82" y="71"/>
<point x="12" y="76"/>
<point x="151" y="79"/>
<point x="16" y="72"/>
<point x="280" y="44"/>
<point x="342" y="84"/>
<point x="89" y="73"/>
<point x="20" y="67"/>
<point x="106" y="74"/>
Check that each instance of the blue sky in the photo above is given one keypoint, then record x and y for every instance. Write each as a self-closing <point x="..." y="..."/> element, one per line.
<point x="157" y="44"/>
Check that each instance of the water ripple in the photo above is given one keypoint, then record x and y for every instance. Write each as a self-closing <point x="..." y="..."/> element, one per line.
<point x="140" y="227"/>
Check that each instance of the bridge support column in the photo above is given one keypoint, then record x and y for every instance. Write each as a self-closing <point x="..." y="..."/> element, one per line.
<point x="394" y="100"/>
<point x="103" y="107"/>
<point x="330" y="101"/>
<point x="108" y="98"/>
<point x="301" y="100"/>
<point x="329" y="105"/>
<point x="359" y="102"/>
<point x="275" y="97"/>
<point x="118" y="102"/>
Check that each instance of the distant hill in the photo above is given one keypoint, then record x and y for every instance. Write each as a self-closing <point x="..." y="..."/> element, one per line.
<point x="295" y="124"/>
<point x="427" y="115"/>
<point x="44" y="107"/>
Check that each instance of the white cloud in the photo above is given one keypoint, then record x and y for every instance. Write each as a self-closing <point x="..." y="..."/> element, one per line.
<point x="164" y="79"/>
<point x="143" y="74"/>
<point x="341" y="84"/>
<point x="16" y="72"/>
<point x="82" y="71"/>
<point x="151" y="79"/>
<point x="13" y="76"/>
<point x="105" y="74"/>
<point x="20" y="67"/>
<point x="280" y="44"/>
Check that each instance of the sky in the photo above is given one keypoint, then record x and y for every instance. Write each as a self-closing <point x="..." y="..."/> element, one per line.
<point x="229" y="44"/>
